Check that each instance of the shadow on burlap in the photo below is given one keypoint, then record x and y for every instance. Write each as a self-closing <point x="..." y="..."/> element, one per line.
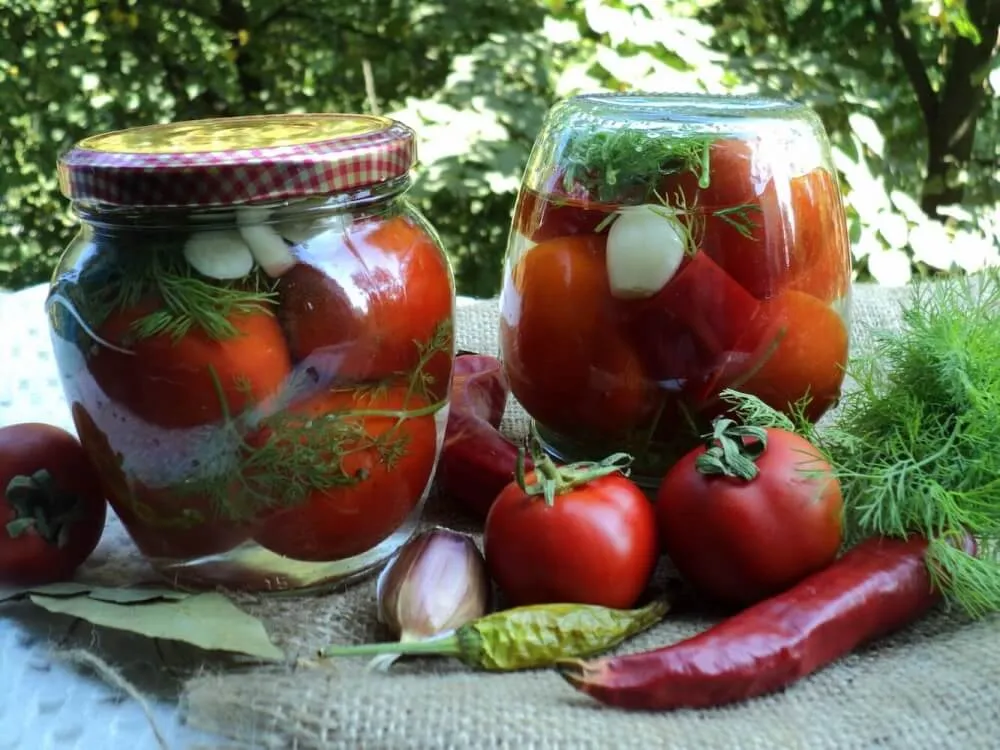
<point x="936" y="685"/>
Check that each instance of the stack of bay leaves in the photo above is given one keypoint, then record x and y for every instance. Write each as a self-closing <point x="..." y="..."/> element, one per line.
<point x="915" y="445"/>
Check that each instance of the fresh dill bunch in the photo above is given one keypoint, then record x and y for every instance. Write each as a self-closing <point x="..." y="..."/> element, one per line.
<point x="915" y="445"/>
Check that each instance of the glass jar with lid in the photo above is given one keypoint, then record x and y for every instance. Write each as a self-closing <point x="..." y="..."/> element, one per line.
<point x="254" y="332"/>
<point x="663" y="249"/>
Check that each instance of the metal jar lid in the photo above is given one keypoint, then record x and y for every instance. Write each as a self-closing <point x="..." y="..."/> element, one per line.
<point x="236" y="160"/>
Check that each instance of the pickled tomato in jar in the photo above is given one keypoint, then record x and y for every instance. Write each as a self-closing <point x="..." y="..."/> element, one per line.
<point x="254" y="332"/>
<point x="663" y="249"/>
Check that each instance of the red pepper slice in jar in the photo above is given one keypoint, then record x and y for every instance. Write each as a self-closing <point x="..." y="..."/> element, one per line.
<point x="697" y="324"/>
<point x="375" y="305"/>
<point x="354" y="463"/>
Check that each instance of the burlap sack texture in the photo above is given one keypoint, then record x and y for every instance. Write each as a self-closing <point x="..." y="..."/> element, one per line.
<point x="934" y="686"/>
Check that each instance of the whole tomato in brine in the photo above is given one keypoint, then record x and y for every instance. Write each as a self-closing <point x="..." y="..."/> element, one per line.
<point x="193" y="379"/>
<point x="377" y="304"/>
<point x="363" y="459"/>
<point x="566" y="359"/>
<point x="806" y="358"/>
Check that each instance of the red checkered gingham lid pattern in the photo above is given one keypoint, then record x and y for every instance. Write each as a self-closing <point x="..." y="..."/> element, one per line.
<point x="236" y="160"/>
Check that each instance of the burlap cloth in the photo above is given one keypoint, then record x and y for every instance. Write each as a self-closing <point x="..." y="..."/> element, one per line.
<point x="937" y="685"/>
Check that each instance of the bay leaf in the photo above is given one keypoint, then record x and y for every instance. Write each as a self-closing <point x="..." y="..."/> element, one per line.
<point x="63" y="588"/>
<point x="121" y="595"/>
<point x="134" y="595"/>
<point x="209" y="621"/>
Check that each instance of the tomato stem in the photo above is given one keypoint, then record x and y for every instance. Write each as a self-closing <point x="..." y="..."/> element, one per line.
<point x="39" y="504"/>
<point x="552" y="479"/>
<point x="732" y="450"/>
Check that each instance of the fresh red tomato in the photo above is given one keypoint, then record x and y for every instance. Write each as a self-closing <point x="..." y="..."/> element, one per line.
<point x="163" y="522"/>
<point x="821" y="261"/>
<point x="169" y="383"/>
<point x="373" y="306"/>
<point x="567" y="362"/>
<point x="595" y="544"/>
<point x="53" y="506"/>
<point x="543" y="217"/>
<point x="807" y="357"/>
<point x="370" y="470"/>
<point x="739" y="540"/>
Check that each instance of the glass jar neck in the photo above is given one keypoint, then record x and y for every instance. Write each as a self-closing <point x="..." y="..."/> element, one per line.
<point x="369" y="200"/>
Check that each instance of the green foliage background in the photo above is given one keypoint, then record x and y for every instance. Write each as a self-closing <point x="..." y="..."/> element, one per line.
<point x="909" y="91"/>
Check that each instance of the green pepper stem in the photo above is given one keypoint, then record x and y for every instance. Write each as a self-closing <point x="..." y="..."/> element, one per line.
<point x="729" y="451"/>
<point x="447" y="645"/>
<point x="552" y="480"/>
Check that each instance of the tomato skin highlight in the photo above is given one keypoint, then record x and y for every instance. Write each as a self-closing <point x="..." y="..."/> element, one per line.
<point x="382" y="292"/>
<point x="821" y="264"/>
<point x="737" y="541"/>
<point x="596" y="544"/>
<point x="352" y="518"/>
<point x="28" y="558"/>
<point x="170" y="384"/>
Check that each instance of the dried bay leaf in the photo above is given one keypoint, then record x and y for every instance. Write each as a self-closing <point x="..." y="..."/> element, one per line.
<point x="209" y="621"/>
<point x="63" y="588"/>
<point x="134" y="595"/>
<point x="121" y="595"/>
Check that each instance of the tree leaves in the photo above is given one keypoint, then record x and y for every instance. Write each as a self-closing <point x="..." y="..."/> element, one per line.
<point x="209" y="621"/>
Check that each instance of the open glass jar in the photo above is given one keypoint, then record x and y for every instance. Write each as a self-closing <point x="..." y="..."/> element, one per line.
<point x="254" y="332"/>
<point x="665" y="248"/>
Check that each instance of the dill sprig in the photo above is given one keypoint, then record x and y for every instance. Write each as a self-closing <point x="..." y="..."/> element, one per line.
<point x="915" y="445"/>
<point x="184" y="299"/>
<point x="613" y="163"/>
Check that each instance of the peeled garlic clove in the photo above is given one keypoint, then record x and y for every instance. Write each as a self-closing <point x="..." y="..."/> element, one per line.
<point x="645" y="248"/>
<point x="435" y="583"/>
<point x="219" y="254"/>
<point x="268" y="248"/>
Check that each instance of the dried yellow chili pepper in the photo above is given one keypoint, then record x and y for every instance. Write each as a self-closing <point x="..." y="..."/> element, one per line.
<point x="525" y="637"/>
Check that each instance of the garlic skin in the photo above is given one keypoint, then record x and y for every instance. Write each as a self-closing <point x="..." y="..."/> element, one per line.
<point x="435" y="583"/>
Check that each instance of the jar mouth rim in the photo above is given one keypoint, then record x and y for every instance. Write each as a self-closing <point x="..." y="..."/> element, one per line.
<point x="683" y="105"/>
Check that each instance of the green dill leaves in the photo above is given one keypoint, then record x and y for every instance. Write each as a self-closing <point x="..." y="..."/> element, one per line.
<point x="184" y="301"/>
<point x="612" y="163"/>
<point x="916" y="445"/>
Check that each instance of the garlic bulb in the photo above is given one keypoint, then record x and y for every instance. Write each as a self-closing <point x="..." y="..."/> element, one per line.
<point x="645" y="248"/>
<point x="435" y="583"/>
<point x="266" y="245"/>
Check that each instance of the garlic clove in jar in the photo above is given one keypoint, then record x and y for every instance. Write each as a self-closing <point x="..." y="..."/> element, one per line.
<point x="218" y="254"/>
<point x="266" y="245"/>
<point x="436" y="582"/>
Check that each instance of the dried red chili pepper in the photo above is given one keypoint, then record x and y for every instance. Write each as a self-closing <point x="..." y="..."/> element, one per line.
<point x="879" y="586"/>
<point x="477" y="461"/>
